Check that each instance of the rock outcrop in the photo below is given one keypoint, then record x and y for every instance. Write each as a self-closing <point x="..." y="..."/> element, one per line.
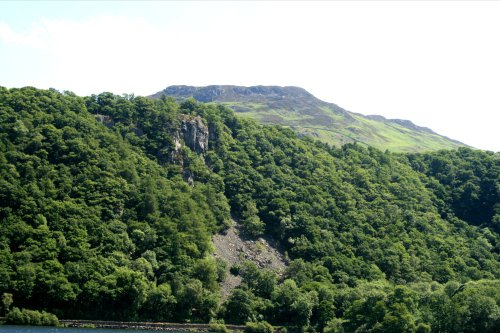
<point x="195" y="133"/>
<point x="106" y="120"/>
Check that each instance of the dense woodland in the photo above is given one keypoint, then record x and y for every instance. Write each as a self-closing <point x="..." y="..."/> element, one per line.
<point x="102" y="216"/>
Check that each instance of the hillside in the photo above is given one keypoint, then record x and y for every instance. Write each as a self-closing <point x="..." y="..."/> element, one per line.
<point x="296" y="108"/>
<point x="110" y="206"/>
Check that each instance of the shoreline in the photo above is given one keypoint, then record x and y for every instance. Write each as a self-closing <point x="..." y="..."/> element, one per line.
<point x="178" y="327"/>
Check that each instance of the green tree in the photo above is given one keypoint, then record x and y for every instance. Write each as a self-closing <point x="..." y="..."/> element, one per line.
<point x="7" y="300"/>
<point x="251" y="221"/>
<point x="238" y="307"/>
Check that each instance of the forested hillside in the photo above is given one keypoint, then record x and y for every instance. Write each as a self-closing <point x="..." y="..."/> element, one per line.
<point x="108" y="205"/>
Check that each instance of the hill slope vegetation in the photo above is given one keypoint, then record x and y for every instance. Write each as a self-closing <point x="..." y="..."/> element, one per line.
<point x="108" y="205"/>
<point x="297" y="109"/>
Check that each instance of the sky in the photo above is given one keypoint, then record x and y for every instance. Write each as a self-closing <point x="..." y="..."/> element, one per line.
<point x="434" y="63"/>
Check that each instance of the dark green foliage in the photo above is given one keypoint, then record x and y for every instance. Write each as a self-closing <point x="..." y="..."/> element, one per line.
<point x="7" y="301"/>
<point x="221" y="270"/>
<point x="359" y="212"/>
<point x="218" y="326"/>
<point x="465" y="183"/>
<point x="94" y="224"/>
<point x="104" y="216"/>
<point x="258" y="327"/>
<point x="239" y="307"/>
<point x="31" y="317"/>
<point x="260" y="282"/>
<point x="251" y="221"/>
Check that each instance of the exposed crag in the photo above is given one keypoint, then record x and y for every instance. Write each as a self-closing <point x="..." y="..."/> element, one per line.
<point x="195" y="133"/>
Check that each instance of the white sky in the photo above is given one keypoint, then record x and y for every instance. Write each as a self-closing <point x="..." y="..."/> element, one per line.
<point x="434" y="63"/>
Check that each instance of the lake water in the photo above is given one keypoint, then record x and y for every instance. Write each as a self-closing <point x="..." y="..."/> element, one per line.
<point x="38" y="329"/>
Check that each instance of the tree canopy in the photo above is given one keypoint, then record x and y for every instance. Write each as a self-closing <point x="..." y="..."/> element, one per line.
<point x="107" y="213"/>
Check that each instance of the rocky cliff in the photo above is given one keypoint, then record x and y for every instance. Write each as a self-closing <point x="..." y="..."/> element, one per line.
<point x="195" y="134"/>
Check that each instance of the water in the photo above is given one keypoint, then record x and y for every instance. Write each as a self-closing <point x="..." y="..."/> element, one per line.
<point x="39" y="329"/>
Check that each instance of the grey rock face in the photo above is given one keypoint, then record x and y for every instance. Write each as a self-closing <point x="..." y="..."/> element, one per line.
<point x="195" y="133"/>
<point x="106" y="120"/>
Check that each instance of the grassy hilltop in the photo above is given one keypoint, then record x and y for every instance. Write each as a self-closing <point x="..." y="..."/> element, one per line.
<point x="297" y="109"/>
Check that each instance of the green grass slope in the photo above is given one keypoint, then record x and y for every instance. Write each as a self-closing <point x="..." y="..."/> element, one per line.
<point x="299" y="110"/>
